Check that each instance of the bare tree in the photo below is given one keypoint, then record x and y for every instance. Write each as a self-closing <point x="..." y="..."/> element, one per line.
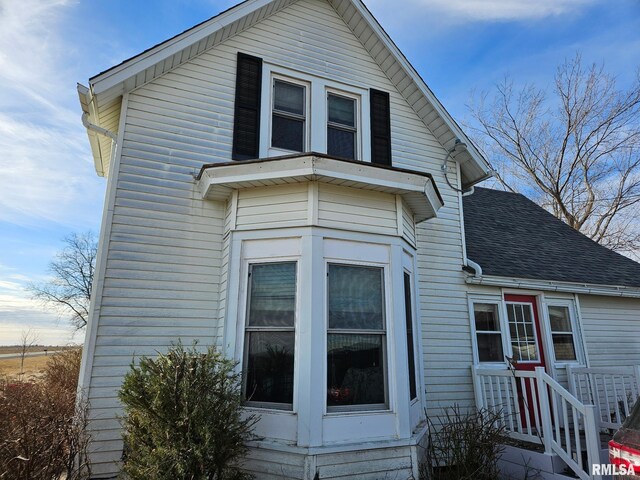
<point x="28" y="338"/>
<point x="69" y="289"/>
<point x="576" y="152"/>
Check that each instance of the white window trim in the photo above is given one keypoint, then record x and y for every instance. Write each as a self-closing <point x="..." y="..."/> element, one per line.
<point x="317" y="114"/>
<point x="273" y="151"/>
<point x="387" y="344"/>
<point x="506" y="345"/>
<point x="243" y="284"/>
<point x="358" y="117"/>
<point x="575" y="331"/>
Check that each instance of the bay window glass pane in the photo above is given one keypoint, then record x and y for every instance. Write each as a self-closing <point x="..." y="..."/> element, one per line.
<point x="559" y="319"/>
<point x="563" y="346"/>
<point x="287" y="133"/>
<point x="272" y="295"/>
<point x="342" y="110"/>
<point x="269" y="367"/>
<point x="289" y="97"/>
<point x="410" y="342"/>
<point x="341" y="143"/>
<point x="356" y="297"/>
<point x="490" y="347"/>
<point x="486" y="317"/>
<point x="355" y="374"/>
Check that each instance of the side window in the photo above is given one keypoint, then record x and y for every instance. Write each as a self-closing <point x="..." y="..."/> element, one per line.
<point x="562" y="333"/>
<point x="270" y="335"/>
<point x="411" y="356"/>
<point x="289" y="116"/>
<point x="342" y="126"/>
<point x="356" y="338"/>
<point x="488" y="332"/>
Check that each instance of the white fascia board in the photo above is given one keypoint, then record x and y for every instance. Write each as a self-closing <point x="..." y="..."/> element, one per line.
<point x="119" y="74"/>
<point x="424" y="89"/>
<point x="551" y="286"/>
<point x="87" y="105"/>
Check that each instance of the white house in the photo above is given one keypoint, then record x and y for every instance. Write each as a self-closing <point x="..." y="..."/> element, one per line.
<point x="281" y="183"/>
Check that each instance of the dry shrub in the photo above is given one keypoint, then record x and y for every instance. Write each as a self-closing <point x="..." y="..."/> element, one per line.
<point x="42" y="427"/>
<point x="464" y="445"/>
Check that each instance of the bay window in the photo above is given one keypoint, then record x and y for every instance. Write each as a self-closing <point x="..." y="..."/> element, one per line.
<point x="270" y="335"/>
<point x="356" y="338"/>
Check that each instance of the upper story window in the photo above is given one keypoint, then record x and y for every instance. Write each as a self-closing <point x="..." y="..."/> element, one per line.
<point x="279" y="111"/>
<point x="356" y="339"/>
<point x="289" y="117"/>
<point x="562" y="333"/>
<point x="270" y="335"/>
<point x="342" y="126"/>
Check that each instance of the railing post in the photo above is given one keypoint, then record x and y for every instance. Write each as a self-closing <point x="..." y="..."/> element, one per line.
<point x="477" y="388"/>
<point x="572" y="382"/>
<point x="592" y="439"/>
<point x="545" y="411"/>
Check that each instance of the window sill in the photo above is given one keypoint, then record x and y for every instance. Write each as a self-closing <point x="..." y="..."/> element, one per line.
<point x="356" y="413"/>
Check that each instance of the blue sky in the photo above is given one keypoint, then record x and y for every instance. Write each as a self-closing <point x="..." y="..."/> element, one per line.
<point x="48" y="187"/>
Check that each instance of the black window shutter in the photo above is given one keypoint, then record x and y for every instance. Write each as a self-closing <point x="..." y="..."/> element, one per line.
<point x="380" y="127"/>
<point x="246" y="124"/>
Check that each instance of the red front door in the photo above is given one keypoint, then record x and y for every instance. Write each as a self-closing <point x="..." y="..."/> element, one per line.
<point x="526" y="348"/>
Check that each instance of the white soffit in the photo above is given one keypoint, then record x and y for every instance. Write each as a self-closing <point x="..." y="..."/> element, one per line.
<point x="218" y="181"/>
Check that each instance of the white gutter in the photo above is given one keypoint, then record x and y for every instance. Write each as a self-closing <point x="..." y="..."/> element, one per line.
<point x="550" y="286"/>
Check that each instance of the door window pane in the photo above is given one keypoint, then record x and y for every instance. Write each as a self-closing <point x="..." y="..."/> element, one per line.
<point x="269" y="371"/>
<point x="522" y="329"/>
<point x="355" y="370"/>
<point x="272" y="294"/>
<point x="356" y="297"/>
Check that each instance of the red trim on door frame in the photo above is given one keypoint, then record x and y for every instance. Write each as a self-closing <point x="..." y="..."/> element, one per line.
<point x="533" y="301"/>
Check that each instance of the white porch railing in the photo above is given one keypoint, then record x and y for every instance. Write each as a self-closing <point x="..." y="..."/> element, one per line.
<point x="534" y="407"/>
<point x="613" y="390"/>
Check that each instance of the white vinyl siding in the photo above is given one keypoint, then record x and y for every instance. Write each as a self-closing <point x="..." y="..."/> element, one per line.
<point x="611" y="329"/>
<point x="272" y="207"/>
<point x="166" y="259"/>
<point x="359" y="210"/>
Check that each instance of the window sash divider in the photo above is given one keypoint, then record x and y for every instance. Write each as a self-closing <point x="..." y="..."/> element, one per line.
<point x="355" y="332"/>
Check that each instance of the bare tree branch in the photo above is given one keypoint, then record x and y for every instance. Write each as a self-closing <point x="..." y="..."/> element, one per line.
<point x="69" y="289"/>
<point x="578" y="157"/>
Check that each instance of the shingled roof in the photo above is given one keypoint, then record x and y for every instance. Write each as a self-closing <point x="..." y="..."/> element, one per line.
<point x="510" y="236"/>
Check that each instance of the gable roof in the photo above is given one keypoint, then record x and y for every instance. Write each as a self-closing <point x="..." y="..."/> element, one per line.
<point x="101" y="100"/>
<point x="511" y="236"/>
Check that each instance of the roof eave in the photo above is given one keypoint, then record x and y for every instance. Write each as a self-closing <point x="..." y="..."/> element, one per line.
<point x="86" y="103"/>
<point x="554" y="286"/>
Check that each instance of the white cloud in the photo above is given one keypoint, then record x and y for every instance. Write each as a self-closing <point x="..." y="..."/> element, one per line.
<point x="492" y="10"/>
<point x="433" y="15"/>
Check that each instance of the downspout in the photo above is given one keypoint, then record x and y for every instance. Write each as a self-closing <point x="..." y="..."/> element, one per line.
<point x="476" y="268"/>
